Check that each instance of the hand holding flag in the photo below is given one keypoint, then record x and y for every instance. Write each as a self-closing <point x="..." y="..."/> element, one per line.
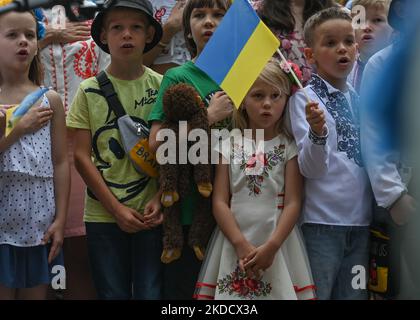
<point x="13" y="115"/>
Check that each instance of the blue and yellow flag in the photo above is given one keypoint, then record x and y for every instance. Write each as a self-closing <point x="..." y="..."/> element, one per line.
<point x="238" y="51"/>
<point x="13" y="115"/>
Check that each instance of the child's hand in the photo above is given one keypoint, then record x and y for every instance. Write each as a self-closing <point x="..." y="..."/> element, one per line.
<point x="260" y="259"/>
<point x="220" y="107"/>
<point x="174" y="21"/>
<point x="34" y="120"/>
<point x="56" y="233"/>
<point x="242" y="251"/>
<point x="152" y="214"/>
<point x="74" y="31"/>
<point x="403" y="209"/>
<point x="129" y="220"/>
<point x="316" y="118"/>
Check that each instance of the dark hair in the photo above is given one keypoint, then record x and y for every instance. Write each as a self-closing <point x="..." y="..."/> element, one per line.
<point x="189" y="7"/>
<point x="319" y="18"/>
<point x="36" y="71"/>
<point x="276" y="14"/>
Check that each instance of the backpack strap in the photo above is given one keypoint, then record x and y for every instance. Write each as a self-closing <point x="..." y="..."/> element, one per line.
<point x="110" y="95"/>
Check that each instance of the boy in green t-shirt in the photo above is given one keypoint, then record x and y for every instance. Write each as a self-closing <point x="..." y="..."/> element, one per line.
<point x="200" y="20"/>
<point x="122" y="208"/>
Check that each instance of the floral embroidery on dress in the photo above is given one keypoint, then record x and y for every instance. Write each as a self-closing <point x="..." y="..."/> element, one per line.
<point x="257" y="165"/>
<point x="346" y="119"/>
<point x="239" y="285"/>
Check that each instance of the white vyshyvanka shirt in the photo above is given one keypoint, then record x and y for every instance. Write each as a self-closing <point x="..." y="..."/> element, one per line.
<point x="337" y="189"/>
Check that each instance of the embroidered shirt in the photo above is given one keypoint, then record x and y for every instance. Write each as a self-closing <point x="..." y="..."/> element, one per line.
<point x="337" y="189"/>
<point x="68" y="64"/>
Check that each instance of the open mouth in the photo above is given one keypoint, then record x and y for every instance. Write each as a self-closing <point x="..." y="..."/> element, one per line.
<point x="208" y="33"/>
<point x="367" y="37"/>
<point x="23" y="52"/>
<point x="127" y="46"/>
<point x="344" y="60"/>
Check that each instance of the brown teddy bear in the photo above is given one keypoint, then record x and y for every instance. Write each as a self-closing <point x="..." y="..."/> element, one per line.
<point x="181" y="102"/>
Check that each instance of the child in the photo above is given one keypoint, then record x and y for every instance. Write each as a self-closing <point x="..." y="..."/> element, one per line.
<point x="69" y="55"/>
<point x="200" y="20"/>
<point x="286" y="19"/>
<point x="337" y="205"/>
<point x="122" y="206"/>
<point x="375" y="36"/>
<point x="34" y="171"/>
<point x="258" y="252"/>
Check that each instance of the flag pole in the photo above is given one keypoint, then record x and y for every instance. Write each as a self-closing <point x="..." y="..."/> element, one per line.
<point x="293" y="74"/>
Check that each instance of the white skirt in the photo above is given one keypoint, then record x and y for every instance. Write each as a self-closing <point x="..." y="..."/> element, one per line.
<point x="288" y="278"/>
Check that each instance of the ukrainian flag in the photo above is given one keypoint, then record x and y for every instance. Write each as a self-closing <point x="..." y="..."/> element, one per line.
<point x="238" y="51"/>
<point x="14" y="114"/>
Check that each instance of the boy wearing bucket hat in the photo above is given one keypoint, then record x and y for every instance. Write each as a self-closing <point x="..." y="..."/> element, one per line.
<point x="122" y="208"/>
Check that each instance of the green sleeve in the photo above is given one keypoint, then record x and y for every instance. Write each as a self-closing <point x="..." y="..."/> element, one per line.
<point x="78" y="116"/>
<point x="157" y="113"/>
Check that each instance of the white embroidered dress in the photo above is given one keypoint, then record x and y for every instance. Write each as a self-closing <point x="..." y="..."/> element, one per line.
<point x="257" y="203"/>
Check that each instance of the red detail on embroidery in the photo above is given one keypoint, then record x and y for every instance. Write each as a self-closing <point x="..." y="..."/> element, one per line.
<point x="53" y="66"/>
<point x="297" y="289"/>
<point x="160" y="13"/>
<point x="196" y="296"/>
<point x="281" y="195"/>
<point x="203" y="284"/>
<point x="280" y="207"/>
<point x="85" y="61"/>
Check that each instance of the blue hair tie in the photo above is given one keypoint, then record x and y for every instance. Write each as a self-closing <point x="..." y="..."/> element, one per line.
<point x="39" y="15"/>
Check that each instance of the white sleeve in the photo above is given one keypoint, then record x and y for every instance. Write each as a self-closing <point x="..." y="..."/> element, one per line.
<point x="381" y="161"/>
<point x="313" y="151"/>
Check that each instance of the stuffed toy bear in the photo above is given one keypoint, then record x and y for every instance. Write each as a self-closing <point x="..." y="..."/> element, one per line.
<point x="181" y="102"/>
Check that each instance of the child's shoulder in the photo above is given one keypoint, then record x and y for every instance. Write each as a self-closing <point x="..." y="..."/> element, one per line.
<point x="152" y="74"/>
<point x="182" y="70"/>
<point x="54" y="98"/>
<point x="91" y="82"/>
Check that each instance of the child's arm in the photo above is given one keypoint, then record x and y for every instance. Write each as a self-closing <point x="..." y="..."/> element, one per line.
<point x="61" y="175"/>
<point x="74" y="31"/>
<point x="313" y="148"/>
<point x="224" y="216"/>
<point x="31" y="122"/>
<point x="153" y="143"/>
<point x="262" y="257"/>
<point x="129" y="220"/>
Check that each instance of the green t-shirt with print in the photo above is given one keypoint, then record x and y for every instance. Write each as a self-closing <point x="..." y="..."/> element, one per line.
<point x="206" y="88"/>
<point x="89" y="110"/>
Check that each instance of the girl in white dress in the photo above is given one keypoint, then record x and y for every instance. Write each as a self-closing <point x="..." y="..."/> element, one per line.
<point x="257" y="251"/>
<point x="34" y="170"/>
